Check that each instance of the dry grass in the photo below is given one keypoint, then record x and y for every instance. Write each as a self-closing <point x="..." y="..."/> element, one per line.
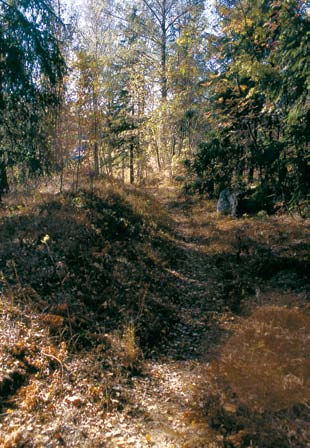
<point x="257" y="268"/>
<point x="259" y="384"/>
<point x="76" y="309"/>
<point x="266" y="362"/>
<point x="87" y="292"/>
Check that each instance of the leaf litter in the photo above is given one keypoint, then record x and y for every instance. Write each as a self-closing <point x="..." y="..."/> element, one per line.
<point x="124" y="327"/>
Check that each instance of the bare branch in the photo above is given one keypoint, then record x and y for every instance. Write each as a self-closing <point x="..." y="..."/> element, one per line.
<point x="170" y="24"/>
<point x="153" y="11"/>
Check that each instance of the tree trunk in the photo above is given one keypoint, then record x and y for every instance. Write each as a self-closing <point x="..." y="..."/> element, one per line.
<point x="4" y="185"/>
<point x="131" y="163"/>
<point x="96" y="159"/>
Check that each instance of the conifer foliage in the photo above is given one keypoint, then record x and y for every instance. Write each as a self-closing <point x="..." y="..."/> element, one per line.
<point x="258" y="87"/>
<point x="156" y="84"/>
<point x="31" y="67"/>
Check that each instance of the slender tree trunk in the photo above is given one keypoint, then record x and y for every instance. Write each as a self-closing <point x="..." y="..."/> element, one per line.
<point x="131" y="163"/>
<point x="123" y="170"/>
<point x="163" y="74"/>
<point x="96" y="159"/>
<point x="4" y="185"/>
<point x="158" y="156"/>
<point x="96" y="153"/>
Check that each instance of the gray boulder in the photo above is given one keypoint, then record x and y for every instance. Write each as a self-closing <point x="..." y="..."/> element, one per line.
<point x="228" y="202"/>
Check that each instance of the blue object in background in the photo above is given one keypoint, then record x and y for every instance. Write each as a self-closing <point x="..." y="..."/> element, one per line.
<point x="78" y="153"/>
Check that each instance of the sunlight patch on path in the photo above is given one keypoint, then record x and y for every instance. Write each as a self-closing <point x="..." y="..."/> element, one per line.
<point x="170" y="408"/>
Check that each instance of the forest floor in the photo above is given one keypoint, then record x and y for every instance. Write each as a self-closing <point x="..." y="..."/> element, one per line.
<point x="156" y="323"/>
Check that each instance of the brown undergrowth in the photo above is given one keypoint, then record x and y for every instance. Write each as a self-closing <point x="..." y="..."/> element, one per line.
<point x="257" y="379"/>
<point x="81" y="304"/>
<point x="260" y="395"/>
<point x="91" y="286"/>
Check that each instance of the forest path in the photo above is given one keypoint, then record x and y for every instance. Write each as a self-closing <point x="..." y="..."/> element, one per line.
<point x="224" y="305"/>
<point x="168" y="401"/>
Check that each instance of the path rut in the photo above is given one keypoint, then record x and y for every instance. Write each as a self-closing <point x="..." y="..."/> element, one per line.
<point x="168" y="400"/>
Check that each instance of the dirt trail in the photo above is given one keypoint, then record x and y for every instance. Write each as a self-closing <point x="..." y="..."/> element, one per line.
<point x="167" y="402"/>
<point x="230" y="359"/>
<point x="223" y="303"/>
